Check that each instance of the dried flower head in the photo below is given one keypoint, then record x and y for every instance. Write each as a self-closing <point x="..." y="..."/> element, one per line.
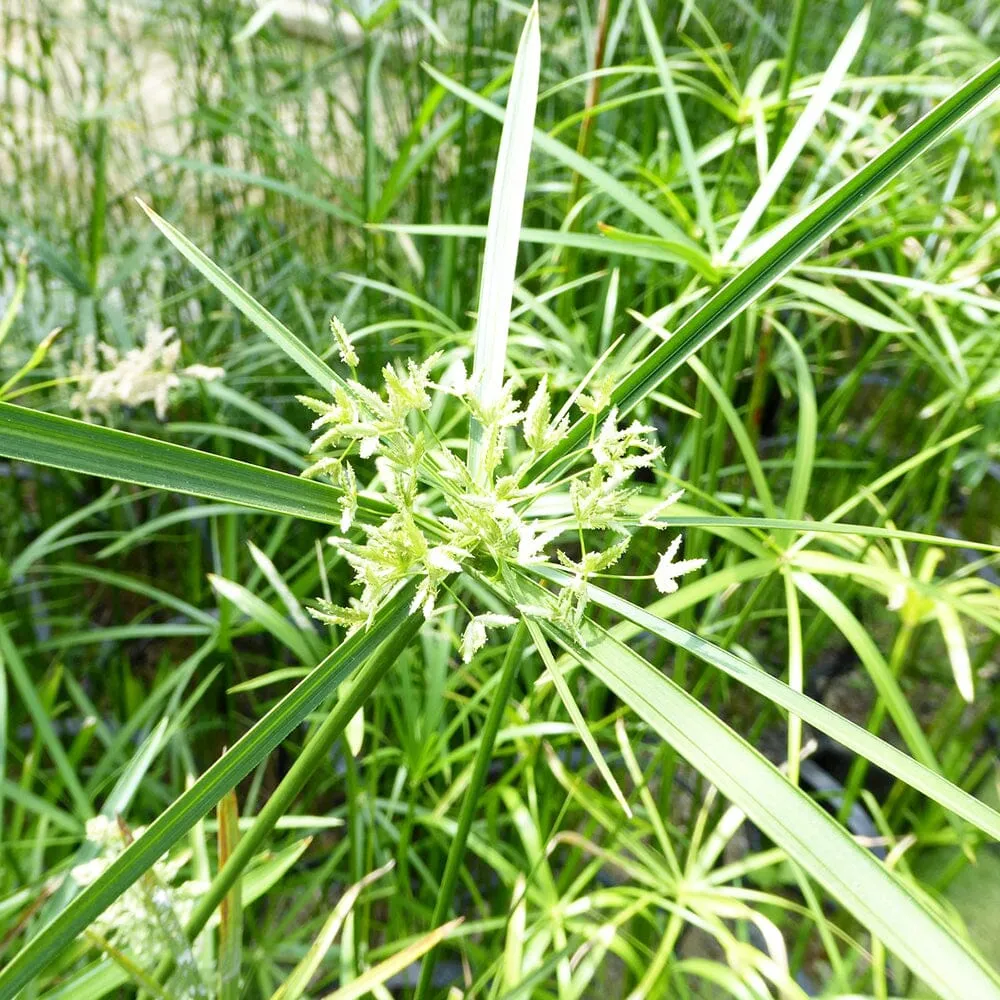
<point x="147" y="920"/>
<point x="106" y="379"/>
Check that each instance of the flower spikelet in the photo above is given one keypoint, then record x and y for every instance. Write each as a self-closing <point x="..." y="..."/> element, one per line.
<point x="441" y="522"/>
<point x="106" y="379"/>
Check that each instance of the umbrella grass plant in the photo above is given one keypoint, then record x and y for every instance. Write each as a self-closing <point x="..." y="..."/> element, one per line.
<point x="506" y="511"/>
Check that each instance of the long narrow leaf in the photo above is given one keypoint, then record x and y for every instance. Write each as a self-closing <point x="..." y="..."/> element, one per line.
<point x="31" y="701"/>
<point x="273" y="328"/>
<point x="679" y="124"/>
<point x="790" y="818"/>
<point x="503" y="229"/>
<point x="608" y="241"/>
<point x="769" y="267"/>
<point x="852" y="736"/>
<point x="601" y="179"/>
<point x="295" y="985"/>
<point x="44" y="438"/>
<point x="579" y="722"/>
<point x="800" y="134"/>
<point x="202" y="796"/>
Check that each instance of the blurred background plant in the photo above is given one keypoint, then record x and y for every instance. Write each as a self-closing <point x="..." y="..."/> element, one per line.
<point x="338" y="160"/>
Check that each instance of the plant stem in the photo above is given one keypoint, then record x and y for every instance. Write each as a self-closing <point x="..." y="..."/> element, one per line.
<point x="583" y="141"/>
<point x="456" y="853"/>
<point x="788" y="72"/>
<point x="313" y="755"/>
<point x="859" y="769"/>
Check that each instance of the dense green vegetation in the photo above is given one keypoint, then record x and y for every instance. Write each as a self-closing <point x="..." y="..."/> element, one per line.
<point x="355" y="634"/>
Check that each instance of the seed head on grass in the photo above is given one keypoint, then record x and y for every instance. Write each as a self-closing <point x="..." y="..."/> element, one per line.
<point x="147" y="920"/>
<point x="444" y="520"/>
<point x="106" y="379"/>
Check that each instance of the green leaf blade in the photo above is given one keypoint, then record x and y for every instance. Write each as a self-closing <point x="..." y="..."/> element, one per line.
<point x="772" y="264"/>
<point x="270" y="326"/>
<point x="503" y="229"/>
<point x="63" y="443"/>
<point x="791" y="819"/>
<point x="201" y="797"/>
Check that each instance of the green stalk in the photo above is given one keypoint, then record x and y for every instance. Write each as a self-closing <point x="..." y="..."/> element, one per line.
<point x="718" y="430"/>
<point x="225" y="531"/>
<point x="20" y="287"/>
<point x="373" y="60"/>
<point x="470" y="48"/>
<point x="131" y="968"/>
<point x="788" y="71"/>
<point x="758" y="388"/>
<point x="230" y="958"/>
<point x="99" y="210"/>
<point x="583" y="145"/>
<point x="859" y="769"/>
<point x="4" y="701"/>
<point x="593" y="93"/>
<point x="456" y="853"/>
<point x="369" y="796"/>
<point x="313" y="756"/>
<point x="941" y="489"/>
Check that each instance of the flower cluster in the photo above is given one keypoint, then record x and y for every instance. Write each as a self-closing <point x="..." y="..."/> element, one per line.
<point x="106" y="379"/>
<point x="441" y="518"/>
<point x="147" y="920"/>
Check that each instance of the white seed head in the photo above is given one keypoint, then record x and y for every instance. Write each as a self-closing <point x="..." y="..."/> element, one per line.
<point x="344" y="347"/>
<point x="474" y="637"/>
<point x="668" y="572"/>
<point x="146" y="374"/>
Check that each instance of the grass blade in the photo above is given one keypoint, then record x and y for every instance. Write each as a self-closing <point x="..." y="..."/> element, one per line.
<point x="310" y="362"/>
<point x="231" y="912"/>
<point x="679" y="125"/>
<point x="295" y="985"/>
<point x="788" y="68"/>
<point x="827" y="527"/>
<point x="25" y="687"/>
<point x="266" y="617"/>
<point x="313" y="756"/>
<point x="790" y="818"/>
<point x="484" y="756"/>
<point x="798" y="137"/>
<point x="372" y="978"/>
<point x="503" y="229"/>
<point x="607" y="242"/>
<point x="805" y="437"/>
<point x="14" y="306"/>
<point x="579" y="722"/>
<point x="899" y="709"/>
<point x="46" y="439"/>
<point x="184" y="812"/>
<point x="251" y="180"/>
<point x="852" y="736"/>
<point x="601" y="179"/>
<point x="739" y="432"/>
<point x="41" y="546"/>
<point x="751" y="283"/>
<point x="151" y="527"/>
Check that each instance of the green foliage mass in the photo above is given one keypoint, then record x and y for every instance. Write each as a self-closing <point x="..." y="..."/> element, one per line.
<point x="499" y="501"/>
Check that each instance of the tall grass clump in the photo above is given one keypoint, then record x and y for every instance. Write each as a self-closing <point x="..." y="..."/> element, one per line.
<point x="569" y="571"/>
